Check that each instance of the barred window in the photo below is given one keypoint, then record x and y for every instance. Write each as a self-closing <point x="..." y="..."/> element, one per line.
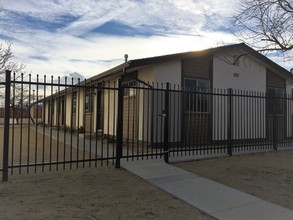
<point x="74" y="103"/>
<point x="60" y="105"/>
<point x="196" y="95"/>
<point x="89" y="104"/>
<point x="129" y="91"/>
<point x="51" y="106"/>
<point x="50" y="111"/>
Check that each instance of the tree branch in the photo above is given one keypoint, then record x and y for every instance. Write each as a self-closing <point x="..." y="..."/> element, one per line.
<point x="266" y="25"/>
<point x="286" y="6"/>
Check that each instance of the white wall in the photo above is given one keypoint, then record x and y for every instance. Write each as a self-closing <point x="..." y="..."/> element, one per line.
<point x="147" y="74"/>
<point x="249" y="75"/>
<point x="250" y="112"/>
<point x="152" y="103"/>
<point x="168" y="72"/>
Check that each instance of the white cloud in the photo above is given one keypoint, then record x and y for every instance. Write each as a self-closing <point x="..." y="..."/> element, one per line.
<point x="175" y="16"/>
<point x="100" y="53"/>
<point x="177" y="25"/>
<point x="99" y="14"/>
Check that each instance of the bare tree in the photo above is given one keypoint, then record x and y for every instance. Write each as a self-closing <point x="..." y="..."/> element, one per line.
<point x="267" y="25"/>
<point x="19" y="92"/>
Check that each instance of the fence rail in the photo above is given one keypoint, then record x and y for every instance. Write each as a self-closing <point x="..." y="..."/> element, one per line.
<point x="57" y="125"/>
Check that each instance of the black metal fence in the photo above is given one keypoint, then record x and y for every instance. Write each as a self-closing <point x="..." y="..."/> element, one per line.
<point x="56" y="124"/>
<point x="204" y="122"/>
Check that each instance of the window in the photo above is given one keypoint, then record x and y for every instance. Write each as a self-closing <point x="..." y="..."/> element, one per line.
<point x="49" y="111"/>
<point x="196" y="97"/>
<point x="51" y="104"/>
<point x="89" y="105"/>
<point x="129" y="91"/>
<point x="74" y="103"/>
<point x="60" y="105"/>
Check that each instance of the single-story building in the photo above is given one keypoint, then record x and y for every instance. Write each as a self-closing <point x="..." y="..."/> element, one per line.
<point x="199" y="99"/>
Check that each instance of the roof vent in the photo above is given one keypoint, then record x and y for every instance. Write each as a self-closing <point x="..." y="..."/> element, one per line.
<point x="126" y="57"/>
<point x="291" y="70"/>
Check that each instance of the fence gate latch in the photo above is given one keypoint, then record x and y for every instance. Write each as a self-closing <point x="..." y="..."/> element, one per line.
<point x="163" y="115"/>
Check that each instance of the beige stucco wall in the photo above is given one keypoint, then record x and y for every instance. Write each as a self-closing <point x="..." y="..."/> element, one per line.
<point x="110" y="106"/>
<point x="144" y="107"/>
<point x="150" y="108"/>
<point x="80" y="107"/>
<point x="249" y="75"/>
<point x="45" y="113"/>
<point x="68" y="106"/>
<point x="162" y="73"/>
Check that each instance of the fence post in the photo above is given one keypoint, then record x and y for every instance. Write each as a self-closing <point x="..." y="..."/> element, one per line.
<point x="119" y="131"/>
<point x="6" y="127"/>
<point x="166" y="124"/>
<point x="230" y="119"/>
<point x="275" y="129"/>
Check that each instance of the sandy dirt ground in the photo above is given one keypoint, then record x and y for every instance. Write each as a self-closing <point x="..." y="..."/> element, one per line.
<point x="266" y="175"/>
<point x="84" y="193"/>
<point x="89" y="193"/>
<point x="31" y="146"/>
<point x="109" y="193"/>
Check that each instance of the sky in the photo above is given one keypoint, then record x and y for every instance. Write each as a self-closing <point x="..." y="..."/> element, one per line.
<point x="83" y="38"/>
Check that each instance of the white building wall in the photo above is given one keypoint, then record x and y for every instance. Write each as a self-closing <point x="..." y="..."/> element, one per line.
<point x="147" y="75"/>
<point x="150" y="108"/>
<point x="168" y="72"/>
<point x="249" y="75"/>
<point x="250" y="112"/>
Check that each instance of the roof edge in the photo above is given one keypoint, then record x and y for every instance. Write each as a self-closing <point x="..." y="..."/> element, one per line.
<point x="190" y="54"/>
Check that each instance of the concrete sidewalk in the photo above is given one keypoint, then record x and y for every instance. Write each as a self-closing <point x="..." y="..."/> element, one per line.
<point x="217" y="200"/>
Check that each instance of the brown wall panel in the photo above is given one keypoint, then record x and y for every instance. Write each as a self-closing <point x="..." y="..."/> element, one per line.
<point x="89" y="127"/>
<point x="130" y="118"/>
<point x="196" y="128"/>
<point x="273" y="80"/>
<point x="198" y="67"/>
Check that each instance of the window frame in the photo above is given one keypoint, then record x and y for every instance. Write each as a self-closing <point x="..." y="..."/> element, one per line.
<point x="129" y="92"/>
<point x="74" y="102"/>
<point x="190" y="94"/>
<point x="89" y="101"/>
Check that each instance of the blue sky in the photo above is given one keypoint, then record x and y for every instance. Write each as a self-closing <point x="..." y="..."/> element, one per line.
<point x="62" y="37"/>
